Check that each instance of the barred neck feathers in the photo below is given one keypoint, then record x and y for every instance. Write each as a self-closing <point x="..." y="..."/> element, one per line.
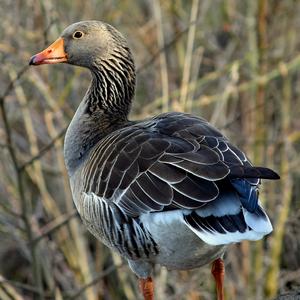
<point x="105" y="106"/>
<point x="112" y="87"/>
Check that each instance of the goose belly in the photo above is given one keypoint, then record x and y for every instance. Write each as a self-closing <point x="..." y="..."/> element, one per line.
<point x="179" y="247"/>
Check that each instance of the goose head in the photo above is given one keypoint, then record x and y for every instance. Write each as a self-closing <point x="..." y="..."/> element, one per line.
<point x="102" y="49"/>
<point x="86" y="44"/>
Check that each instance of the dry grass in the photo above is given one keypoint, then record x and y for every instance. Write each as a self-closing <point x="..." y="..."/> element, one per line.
<point x="235" y="63"/>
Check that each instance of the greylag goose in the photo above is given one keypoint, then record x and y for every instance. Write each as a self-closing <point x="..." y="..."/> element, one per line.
<point x="170" y="190"/>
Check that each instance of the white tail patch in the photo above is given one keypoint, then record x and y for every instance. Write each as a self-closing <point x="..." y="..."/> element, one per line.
<point x="259" y="224"/>
<point x="214" y="233"/>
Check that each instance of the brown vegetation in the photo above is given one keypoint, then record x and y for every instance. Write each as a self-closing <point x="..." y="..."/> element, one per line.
<point x="235" y="63"/>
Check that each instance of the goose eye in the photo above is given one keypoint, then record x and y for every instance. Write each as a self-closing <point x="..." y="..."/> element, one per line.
<point x="77" y="34"/>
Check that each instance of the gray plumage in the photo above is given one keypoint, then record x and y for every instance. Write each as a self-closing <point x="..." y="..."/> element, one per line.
<point x="170" y="190"/>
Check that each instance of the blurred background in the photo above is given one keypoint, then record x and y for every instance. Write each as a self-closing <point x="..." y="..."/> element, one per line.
<point x="236" y="63"/>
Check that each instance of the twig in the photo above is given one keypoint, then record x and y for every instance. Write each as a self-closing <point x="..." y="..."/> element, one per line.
<point x="166" y="46"/>
<point x="47" y="29"/>
<point x="7" y="209"/>
<point x="162" y="56"/>
<point x="55" y="225"/>
<point x="94" y="281"/>
<point x="25" y="212"/>
<point x="241" y="115"/>
<point x="19" y="285"/>
<point x="43" y="150"/>
<point x="264" y="79"/>
<point x="271" y="286"/>
<point x="12" y="84"/>
<point x="188" y="55"/>
<point x="205" y="100"/>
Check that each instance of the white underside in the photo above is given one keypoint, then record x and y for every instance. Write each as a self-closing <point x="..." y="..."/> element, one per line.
<point x="162" y="220"/>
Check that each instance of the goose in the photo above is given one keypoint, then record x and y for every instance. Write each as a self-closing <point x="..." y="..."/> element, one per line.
<point x="171" y="190"/>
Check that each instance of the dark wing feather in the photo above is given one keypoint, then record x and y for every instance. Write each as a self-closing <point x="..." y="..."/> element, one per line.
<point x="182" y="201"/>
<point x="167" y="172"/>
<point x="174" y="160"/>
<point x="197" y="189"/>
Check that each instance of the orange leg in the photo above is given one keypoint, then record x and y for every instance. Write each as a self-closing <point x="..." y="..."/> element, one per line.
<point x="218" y="271"/>
<point x="147" y="288"/>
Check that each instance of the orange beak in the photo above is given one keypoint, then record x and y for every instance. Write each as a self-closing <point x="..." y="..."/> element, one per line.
<point x="54" y="54"/>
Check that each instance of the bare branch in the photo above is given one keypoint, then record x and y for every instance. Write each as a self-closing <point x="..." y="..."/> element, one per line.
<point x="19" y="285"/>
<point x="166" y="46"/>
<point x="94" y="281"/>
<point x="56" y="224"/>
<point x="43" y="150"/>
<point x="24" y="206"/>
<point x="12" y="84"/>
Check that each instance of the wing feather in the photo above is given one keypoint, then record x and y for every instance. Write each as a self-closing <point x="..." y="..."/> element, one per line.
<point x="167" y="172"/>
<point x="174" y="160"/>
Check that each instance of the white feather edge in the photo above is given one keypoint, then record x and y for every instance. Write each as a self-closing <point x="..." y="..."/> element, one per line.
<point x="228" y="237"/>
<point x="229" y="204"/>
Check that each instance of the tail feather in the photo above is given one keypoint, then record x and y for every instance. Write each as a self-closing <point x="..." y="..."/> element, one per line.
<point x="248" y="193"/>
<point x="227" y="219"/>
<point x="258" y="221"/>
<point x="253" y="172"/>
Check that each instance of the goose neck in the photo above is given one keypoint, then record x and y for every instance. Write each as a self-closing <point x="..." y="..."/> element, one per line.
<point x="103" y="110"/>
<point x="111" y="90"/>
